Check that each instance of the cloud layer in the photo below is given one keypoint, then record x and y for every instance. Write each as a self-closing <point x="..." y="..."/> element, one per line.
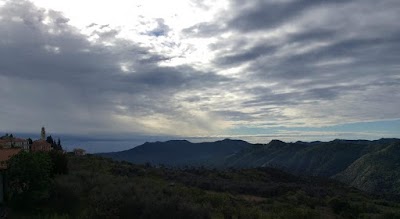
<point x="267" y="64"/>
<point x="310" y="62"/>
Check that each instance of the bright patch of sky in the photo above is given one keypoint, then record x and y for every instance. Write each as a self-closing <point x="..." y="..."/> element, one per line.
<point x="137" y="20"/>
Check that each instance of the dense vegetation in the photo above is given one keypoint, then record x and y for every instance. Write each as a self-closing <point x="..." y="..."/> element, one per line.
<point x="97" y="187"/>
<point x="377" y="172"/>
<point x="29" y="177"/>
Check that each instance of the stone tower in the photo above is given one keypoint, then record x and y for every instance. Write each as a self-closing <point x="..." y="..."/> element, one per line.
<point x="43" y="134"/>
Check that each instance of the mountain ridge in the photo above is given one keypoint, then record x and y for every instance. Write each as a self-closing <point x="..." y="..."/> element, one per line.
<point x="179" y="152"/>
<point x="359" y="163"/>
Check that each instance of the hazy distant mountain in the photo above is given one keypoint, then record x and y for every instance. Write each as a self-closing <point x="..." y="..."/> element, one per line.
<point x="180" y="152"/>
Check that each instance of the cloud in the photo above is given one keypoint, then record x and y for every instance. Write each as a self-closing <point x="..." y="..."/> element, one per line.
<point x="296" y="58"/>
<point x="256" y="64"/>
<point x="53" y="75"/>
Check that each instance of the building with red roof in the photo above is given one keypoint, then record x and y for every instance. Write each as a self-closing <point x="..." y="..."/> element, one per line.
<point x="6" y="154"/>
<point x="41" y="145"/>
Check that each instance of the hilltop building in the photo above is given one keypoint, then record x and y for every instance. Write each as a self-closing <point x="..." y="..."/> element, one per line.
<point x="5" y="143"/>
<point x="79" y="152"/>
<point x="10" y="146"/>
<point x="43" y="134"/>
<point x="41" y="144"/>
<point x="11" y="142"/>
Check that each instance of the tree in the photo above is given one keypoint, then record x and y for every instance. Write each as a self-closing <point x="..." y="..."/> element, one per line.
<point x="59" y="147"/>
<point x="29" y="179"/>
<point x="49" y="139"/>
<point x="53" y="143"/>
<point x="59" y="162"/>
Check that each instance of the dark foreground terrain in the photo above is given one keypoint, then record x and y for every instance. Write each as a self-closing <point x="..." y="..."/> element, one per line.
<point x="96" y="187"/>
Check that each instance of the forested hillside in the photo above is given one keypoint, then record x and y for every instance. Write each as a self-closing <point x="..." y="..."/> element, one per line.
<point x="97" y="187"/>
<point x="377" y="172"/>
<point x="372" y="166"/>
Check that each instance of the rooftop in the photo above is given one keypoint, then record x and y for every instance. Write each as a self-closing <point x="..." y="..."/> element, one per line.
<point x="6" y="154"/>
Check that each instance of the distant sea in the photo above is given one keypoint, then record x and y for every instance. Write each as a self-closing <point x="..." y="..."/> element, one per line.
<point x="113" y="143"/>
<point x="97" y="146"/>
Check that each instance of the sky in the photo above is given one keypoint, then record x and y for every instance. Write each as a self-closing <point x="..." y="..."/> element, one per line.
<point x="288" y="69"/>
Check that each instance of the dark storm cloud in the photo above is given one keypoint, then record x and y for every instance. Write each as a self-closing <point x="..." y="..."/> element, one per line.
<point x="53" y="74"/>
<point x="175" y="78"/>
<point x="264" y="14"/>
<point x="246" y="55"/>
<point x="367" y="58"/>
<point x="247" y="16"/>
<point x="310" y="96"/>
